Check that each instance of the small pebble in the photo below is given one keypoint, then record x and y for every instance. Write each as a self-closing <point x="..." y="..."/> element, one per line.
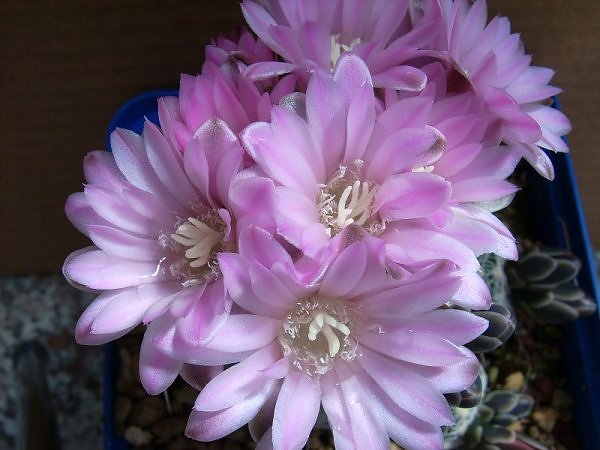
<point x="136" y="436"/>
<point x="545" y="418"/>
<point x="517" y="426"/>
<point x="515" y="381"/>
<point x="492" y="374"/>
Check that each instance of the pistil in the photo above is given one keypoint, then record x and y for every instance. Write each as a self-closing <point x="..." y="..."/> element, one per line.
<point x="200" y="240"/>
<point x="338" y="48"/>
<point x="348" y="199"/>
<point x="324" y="323"/>
<point x="358" y="210"/>
<point x="317" y="333"/>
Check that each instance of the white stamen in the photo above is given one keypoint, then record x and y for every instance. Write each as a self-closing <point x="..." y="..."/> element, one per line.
<point x="358" y="210"/>
<point x="323" y="322"/>
<point x="336" y="49"/>
<point x="426" y="169"/>
<point x="200" y="238"/>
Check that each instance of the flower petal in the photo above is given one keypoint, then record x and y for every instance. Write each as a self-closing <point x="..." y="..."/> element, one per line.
<point x="428" y="289"/>
<point x="407" y="430"/>
<point x="412" y="243"/>
<point x="81" y="214"/>
<point x="123" y="312"/>
<point x="325" y="112"/>
<point x="244" y="332"/>
<point x="401" y="78"/>
<point x="237" y="382"/>
<point x="262" y="247"/>
<point x="295" y="214"/>
<point x="354" y="80"/>
<point x="157" y="371"/>
<point x="412" y="346"/>
<point x="212" y="425"/>
<point x="118" y="243"/>
<point x="456" y="326"/>
<point x="449" y="378"/>
<point x="196" y="167"/>
<point x="405" y="149"/>
<point x="130" y="156"/>
<point x="473" y="292"/>
<point x="407" y="389"/>
<point x="253" y="202"/>
<point x="237" y="282"/>
<point x="296" y="410"/>
<point x="168" y="165"/>
<point x="203" y="321"/>
<point x="114" y="209"/>
<point x="84" y="332"/>
<point x="365" y="425"/>
<point x="97" y="270"/>
<point x="100" y="168"/>
<point x="345" y="272"/>
<point x="279" y="156"/>
<point x="411" y="195"/>
<point x="223" y="157"/>
<point x="264" y="70"/>
<point x="482" y="231"/>
<point x="481" y="189"/>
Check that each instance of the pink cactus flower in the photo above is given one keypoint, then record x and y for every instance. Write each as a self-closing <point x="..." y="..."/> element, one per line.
<point x="495" y="64"/>
<point x="220" y="91"/>
<point x="376" y="353"/>
<point x="340" y="163"/>
<point x="313" y="34"/>
<point x="158" y="221"/>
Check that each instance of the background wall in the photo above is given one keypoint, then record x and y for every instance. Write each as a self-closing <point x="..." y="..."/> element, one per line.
<point x="66" y="66"/>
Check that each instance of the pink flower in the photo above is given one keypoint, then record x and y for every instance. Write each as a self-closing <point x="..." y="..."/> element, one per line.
<point x="494" y="63"/>
<point x="234" y="54"/>
<point x="220" y="91"/>
<point x="158" y="221"/>
<point x="344" y="164"/>
<point x="312" y="34"/>
<point x="376" y="353"/>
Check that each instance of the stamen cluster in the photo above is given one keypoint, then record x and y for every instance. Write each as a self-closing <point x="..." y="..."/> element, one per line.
<point x="347" y="199"/>
<point x="315" y="333"/>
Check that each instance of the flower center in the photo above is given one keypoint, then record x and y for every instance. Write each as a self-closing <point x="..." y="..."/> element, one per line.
<point x="199" y="239"/>
<point x="193" y="248"/>
<point x="317" y="332"/>
<point x="324" y="323"/>
<point x="346" y="200"/>
<point x="337" y="48"/>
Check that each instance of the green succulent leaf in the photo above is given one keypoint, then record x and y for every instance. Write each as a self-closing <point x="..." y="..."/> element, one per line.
<point x="499" y="435"/>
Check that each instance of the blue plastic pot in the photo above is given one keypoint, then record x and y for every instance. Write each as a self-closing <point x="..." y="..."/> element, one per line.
<point x="556" y="215"/>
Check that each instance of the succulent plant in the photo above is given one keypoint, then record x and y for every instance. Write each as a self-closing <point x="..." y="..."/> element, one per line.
<point x="544" y="282"/>
<point x="470" y="397"/>
<point x="494" y="422"/>
<point x="500" y="315"/>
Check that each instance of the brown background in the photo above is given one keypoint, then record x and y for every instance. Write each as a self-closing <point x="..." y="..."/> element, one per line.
<point x="66" y="66"/>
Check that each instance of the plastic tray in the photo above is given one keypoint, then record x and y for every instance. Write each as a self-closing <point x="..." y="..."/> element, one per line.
<point x="557" y="216"/>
